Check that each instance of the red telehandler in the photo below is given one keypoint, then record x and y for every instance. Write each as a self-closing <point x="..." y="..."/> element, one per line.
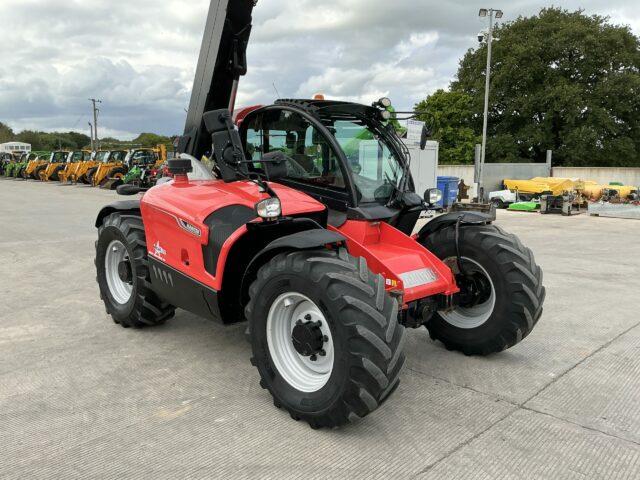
<point x="304" y="229"/>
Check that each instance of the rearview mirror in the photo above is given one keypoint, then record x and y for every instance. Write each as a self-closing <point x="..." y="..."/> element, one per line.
<point x="426" y="134"/>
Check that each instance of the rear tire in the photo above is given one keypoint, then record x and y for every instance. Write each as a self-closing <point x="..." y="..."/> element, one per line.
<point x="130" y="303"/>
<point x="511" y="312"/>
<point x="359" y="321"/>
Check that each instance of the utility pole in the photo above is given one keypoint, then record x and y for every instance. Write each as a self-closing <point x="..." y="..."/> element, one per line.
<point x="92" y="142"/>
<point x="491" y="13"/>
<point x="96" y="142"/>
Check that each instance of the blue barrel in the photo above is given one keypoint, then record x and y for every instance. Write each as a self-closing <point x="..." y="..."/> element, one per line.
<point x="449" y="188"/>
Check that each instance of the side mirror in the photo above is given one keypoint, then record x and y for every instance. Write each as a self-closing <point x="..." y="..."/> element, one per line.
<point x="426" y="134"/>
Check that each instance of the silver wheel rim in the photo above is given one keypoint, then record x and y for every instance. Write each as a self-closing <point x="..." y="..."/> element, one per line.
<point x="472" y="317"/>
<point x="120" y="291"/>
<point x="298" y="371"/>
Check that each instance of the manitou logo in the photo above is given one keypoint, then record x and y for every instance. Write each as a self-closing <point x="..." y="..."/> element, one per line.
<point x="158" y="251"/>
<point x="192" y="229"/>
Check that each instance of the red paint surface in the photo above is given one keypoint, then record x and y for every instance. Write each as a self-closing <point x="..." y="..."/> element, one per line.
<point x="193" y="202"/>
<point x="388" y="251"/>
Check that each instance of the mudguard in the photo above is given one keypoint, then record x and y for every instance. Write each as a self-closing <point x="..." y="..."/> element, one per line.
<point x="449" y="219"/>
<point x="122" y="206"/>
<point x="306" y="240"/>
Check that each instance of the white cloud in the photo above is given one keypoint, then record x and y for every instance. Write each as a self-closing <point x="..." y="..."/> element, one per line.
<point x="139" y="56"/>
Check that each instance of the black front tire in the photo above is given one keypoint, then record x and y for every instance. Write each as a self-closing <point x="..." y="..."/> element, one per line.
<point x="36" y="173"/>
<point x="144" y="308"/>
<point x="499" y="204"/>
<point x="87" y="178"/>
<point x="517" y="282"/>
<point x="368" y="341"/>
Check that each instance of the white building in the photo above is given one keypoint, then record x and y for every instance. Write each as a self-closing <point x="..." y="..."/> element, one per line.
<point x="15" y="147"/>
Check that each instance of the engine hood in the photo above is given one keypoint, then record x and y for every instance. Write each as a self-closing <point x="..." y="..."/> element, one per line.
<point x="196" y="200"/>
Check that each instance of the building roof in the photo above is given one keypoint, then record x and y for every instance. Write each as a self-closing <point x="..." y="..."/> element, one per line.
<point x="15" y="144"/>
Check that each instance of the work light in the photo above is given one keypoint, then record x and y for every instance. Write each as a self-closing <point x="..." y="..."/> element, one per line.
<point x="269" y="208"/>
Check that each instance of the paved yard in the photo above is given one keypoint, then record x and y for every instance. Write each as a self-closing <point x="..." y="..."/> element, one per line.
<point x="83" y="398"/>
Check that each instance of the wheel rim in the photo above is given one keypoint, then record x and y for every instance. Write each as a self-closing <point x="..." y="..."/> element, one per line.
<point x="470" y="317"/>
<point x="299" y="371"/>
<point x="120" y="290"/>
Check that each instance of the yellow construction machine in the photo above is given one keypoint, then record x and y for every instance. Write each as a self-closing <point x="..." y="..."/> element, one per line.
<point x="111" y="164"/>
<point x="72" y="166"/>
<point x="140" y="166"/>
<point x="34" y="167"/>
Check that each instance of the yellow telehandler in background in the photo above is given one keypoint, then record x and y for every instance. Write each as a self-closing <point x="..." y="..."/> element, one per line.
<point x="71" y="167"/>
<point x="52" y="171"/>
<point x="34" y="167"/>
<point x="112" y="162"/>
<point x="139" y="164"/>
<point x="80" y="173"/>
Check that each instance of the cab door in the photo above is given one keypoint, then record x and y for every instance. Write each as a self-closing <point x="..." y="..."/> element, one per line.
<point x="314" y="164"/>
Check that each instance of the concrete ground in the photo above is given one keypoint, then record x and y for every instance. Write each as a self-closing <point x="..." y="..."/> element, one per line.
<point x="83" y="398"/>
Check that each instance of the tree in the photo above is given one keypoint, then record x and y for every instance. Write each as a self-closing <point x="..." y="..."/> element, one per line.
<point x="151" y="140"/>
<point x="450" y="116"/>
<point x="561" y="81"/>
<point x="6" y="133"/>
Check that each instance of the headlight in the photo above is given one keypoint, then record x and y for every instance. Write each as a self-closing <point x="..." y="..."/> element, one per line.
<point x="386" y="114"/>
<point x="433" y="196"/>
<point x="269" y="208"/>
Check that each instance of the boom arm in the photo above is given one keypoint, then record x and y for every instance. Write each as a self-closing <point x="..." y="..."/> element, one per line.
<point x="222" y="62"/>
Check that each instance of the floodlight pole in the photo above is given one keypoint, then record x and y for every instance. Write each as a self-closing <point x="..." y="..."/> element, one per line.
<point x="483" y="156"/>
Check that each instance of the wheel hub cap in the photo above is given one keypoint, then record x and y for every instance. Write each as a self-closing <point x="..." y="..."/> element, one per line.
<point x="308" y="339"/>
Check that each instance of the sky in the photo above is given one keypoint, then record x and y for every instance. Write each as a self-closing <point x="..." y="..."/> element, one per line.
<point x="139" y="56"/>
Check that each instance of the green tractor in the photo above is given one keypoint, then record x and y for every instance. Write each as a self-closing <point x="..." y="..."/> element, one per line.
<point x="12" y="168"/>
<point x="6" y="164"/>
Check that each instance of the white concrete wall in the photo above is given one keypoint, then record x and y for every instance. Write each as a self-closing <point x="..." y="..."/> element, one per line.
<point x="464" y="172"/>
<point x="604" y="176"/>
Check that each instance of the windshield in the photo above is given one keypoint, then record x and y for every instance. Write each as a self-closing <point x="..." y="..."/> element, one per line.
<point x="102" y="156"/>
<point x="377" y="171"/>
<point x="58" y="157"/>
<point x="141" y="157"/>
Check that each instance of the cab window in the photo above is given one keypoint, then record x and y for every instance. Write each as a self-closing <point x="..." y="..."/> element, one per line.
<point x="309" y="156"/>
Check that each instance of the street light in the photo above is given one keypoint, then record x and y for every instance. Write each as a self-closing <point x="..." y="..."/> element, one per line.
<point x="491" y="13"/>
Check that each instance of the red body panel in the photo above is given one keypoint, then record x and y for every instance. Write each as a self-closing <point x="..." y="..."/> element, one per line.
<point x="391" y="253"/>
<point x="163" y="206"/>
<point x="388" y="251"/>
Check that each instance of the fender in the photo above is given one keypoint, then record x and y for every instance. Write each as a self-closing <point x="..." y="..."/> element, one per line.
<point x="449" y="219"/>
<point x="123" y="206"/>
<point x="305" y="240"/>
